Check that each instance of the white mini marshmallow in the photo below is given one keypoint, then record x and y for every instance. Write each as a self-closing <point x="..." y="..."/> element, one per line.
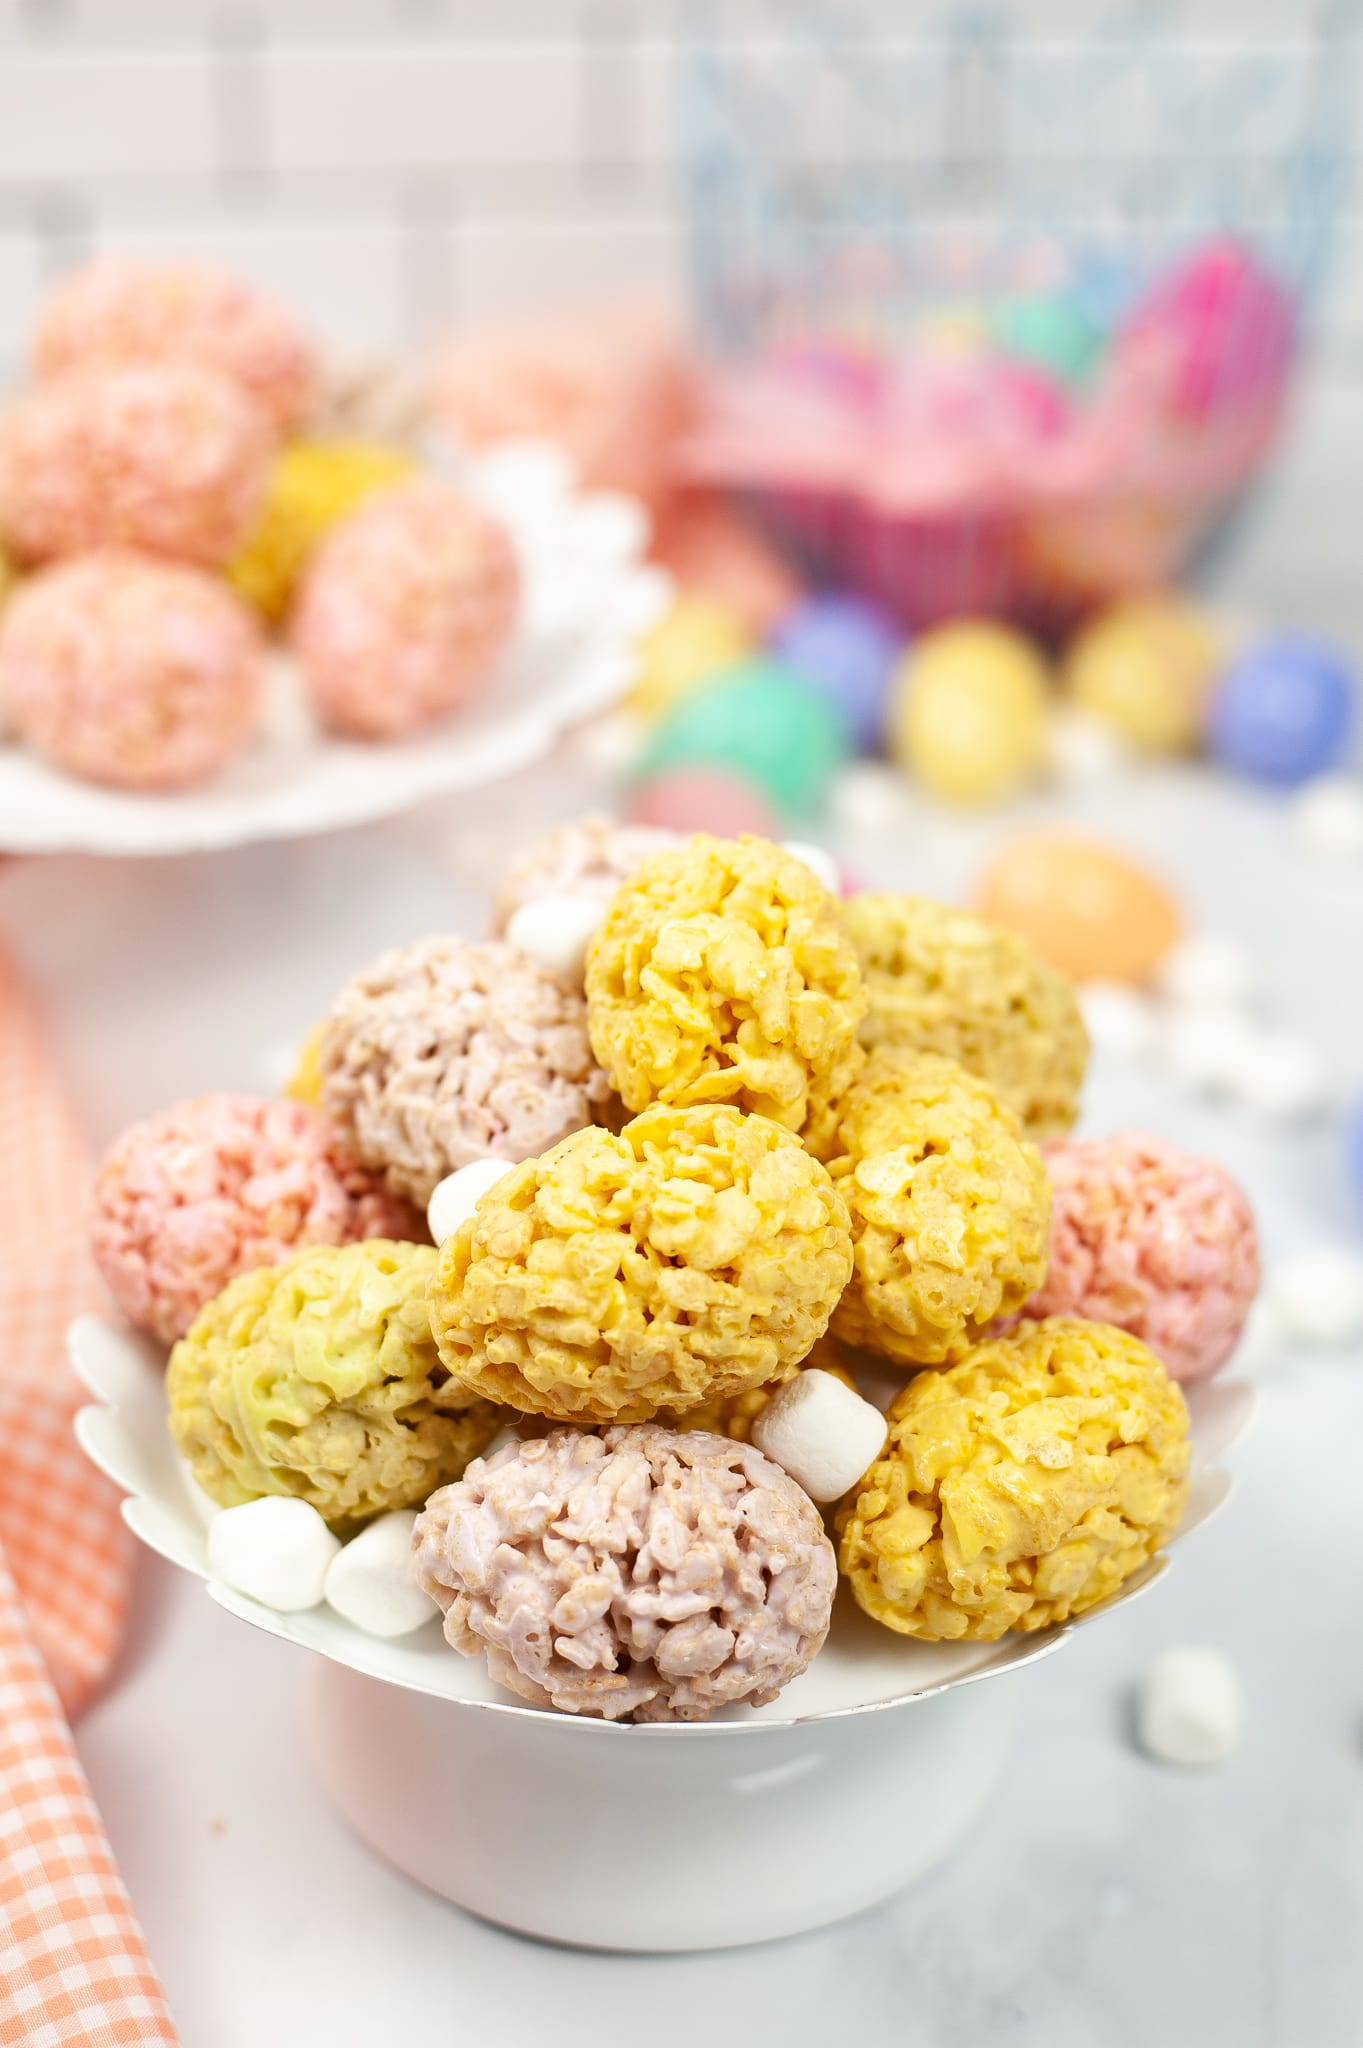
<point x="1190" y="1708"/>
<point x="459" y="1194"/>
<point x="819" y="859"/>
<point x="1206" y="1049"/>
<point x="1118" y="1019"/>
<point x="1081" y="748"/>
<point x="1318" y="1294"/>
<point x="555" y="931"/>
<point x="868" y="799"/>
<point x="1279" y="1076"/>
<point x="275" y="1550"/>
<point x="373" y="1581"/>
<point x="1207" y="968"/>
<point x="820" y="1432"/>
<point x="1328" y="815"/>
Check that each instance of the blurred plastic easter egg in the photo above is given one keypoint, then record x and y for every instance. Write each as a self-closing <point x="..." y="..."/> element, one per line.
<point x="967" y="713"/>
<point x="1051" y="330"/>
<point x="1283" y="711"/>
<point x="694" y="639"/>
<point x="1088" y="909"/>
<point x="702" y="800"/>
<point x="847" y="648"/>
<point x="1146" y="667"/>
<point x="761" y="722"/>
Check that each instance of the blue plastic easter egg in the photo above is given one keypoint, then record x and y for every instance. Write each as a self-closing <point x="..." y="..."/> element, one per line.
<point x="1283" y="711"/>
<point x="847" y="649"/>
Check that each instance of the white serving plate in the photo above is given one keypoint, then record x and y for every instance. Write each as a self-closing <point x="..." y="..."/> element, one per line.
<point x="588" y="595"/>
<point x="762" y="1822"/>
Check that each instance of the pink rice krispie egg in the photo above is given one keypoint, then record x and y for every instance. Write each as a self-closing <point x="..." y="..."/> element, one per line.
<point x="404" y="610"/>
<point x="124" y="670"/>
<point x="588" y="856"/>
<point x="221" y="1185"/>
<point x="644" y="1573"/>
<point x="1148" y="1238"/>
<point x="166" y="458"/>
<point x="117" y="311"/>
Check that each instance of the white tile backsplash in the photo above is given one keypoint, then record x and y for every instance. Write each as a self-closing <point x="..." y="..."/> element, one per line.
<point x="71" y="116"/>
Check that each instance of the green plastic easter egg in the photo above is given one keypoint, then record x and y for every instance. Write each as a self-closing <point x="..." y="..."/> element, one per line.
<point x="1052" y="332"/>
<point x="762" y="721"/>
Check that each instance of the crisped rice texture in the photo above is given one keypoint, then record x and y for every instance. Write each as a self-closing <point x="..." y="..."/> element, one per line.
<point x="165" y="458"/>
<point x="949" y="1207"/>
<point x="319" y="1378"/>
<point x="639" y="1574"/>
<point x="312" y="487"/>
<point x="1020" y="1487"/>
<point x="1153" y="1240"/>
<point x="117" y="311"/>
<point x="210" y="1188"/>
<point x="444" y="1051"/>
<point x="722" y="973"/>
<point x="589" y="856"/>
<point x="125" y="670"/>
<point x="939" y="980"/>
<point x="735" y="1414"/>
<point x="696" y="1254"/>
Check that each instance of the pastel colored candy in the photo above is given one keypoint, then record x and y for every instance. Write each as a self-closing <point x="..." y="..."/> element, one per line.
<point x="1090" y="910"/>
<point x="847" y="648"/>
<point x="1283" y="712"/>
<point x="761" y="721"/>
<point x="968" y="712"/>
<point x="1051" y="330"/>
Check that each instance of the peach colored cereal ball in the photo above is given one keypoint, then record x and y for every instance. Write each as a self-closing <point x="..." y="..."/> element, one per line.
<point x="1091" y="911"/>
<point x="138" y="673"/>
<point x="167" y="458"/>
<point x="117" y="312"/>
<point x="405" y="610"/>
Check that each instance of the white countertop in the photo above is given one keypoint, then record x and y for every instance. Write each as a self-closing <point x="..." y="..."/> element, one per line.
<point x="1103" y="1901"/>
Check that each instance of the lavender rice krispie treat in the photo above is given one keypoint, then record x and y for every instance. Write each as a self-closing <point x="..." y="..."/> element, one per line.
<point x="446" y="1051"/>
<point x="639" y="1574"/>
<point x="589" y="856"/>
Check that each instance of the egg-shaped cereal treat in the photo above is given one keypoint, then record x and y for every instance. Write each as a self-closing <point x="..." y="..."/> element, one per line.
<point x="589" y="856"/>
<point x="949" y="1207"/>
<point x="723" y="974"/>
<point x="117" y="311"/>
<point x="1147" y="1237"/>
<point x="446" y="1051"/>
<point x="132" y="672"/>
<point x="697" y="1253"/>
<point x="168" y="459"/>
<point x="1020" y="1487"/>
<point x="404" y="610"/>
<point x="312" y="487"/>
<point x="636" y="1575"/>
<point x="216" y="1186"/>
<point x="319" y="1378"/>
<point x="939" y="980"/>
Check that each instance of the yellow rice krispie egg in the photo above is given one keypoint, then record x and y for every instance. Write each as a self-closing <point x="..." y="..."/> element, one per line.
<point x="696" y="1254"/>
<point x="722" y="973"/>
<point x="949" y="1203"/>
<point x="735" y="1414"/>
<point x="313" y="486"/>
<point x="319" y="1378"/>
<point x="939" y="980"/>
<point x="305" y="1082"/>
<point x="1020" y="1487"/>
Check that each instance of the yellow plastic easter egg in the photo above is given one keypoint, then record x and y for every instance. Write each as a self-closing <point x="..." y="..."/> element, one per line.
<point x="1146" y="667"/>
<point x="968" y="711"/>
<point x="1091" y="911"/>
<point x="694" y="639"/>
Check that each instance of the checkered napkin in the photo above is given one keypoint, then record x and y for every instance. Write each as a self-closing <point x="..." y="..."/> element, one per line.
<point x="73" y="1964"/>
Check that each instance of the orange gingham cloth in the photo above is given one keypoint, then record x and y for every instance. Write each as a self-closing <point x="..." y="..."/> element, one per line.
<point x="73" y="1964"/>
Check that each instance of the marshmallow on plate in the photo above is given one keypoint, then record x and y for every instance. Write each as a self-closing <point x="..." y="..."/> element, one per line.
<point x="1190" y="1709"/>
<point x="372" y="1583"/>
<point x="459" y="1194"/>
<point x="821" y="1433"/>
<point x="275" y="1550"/>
